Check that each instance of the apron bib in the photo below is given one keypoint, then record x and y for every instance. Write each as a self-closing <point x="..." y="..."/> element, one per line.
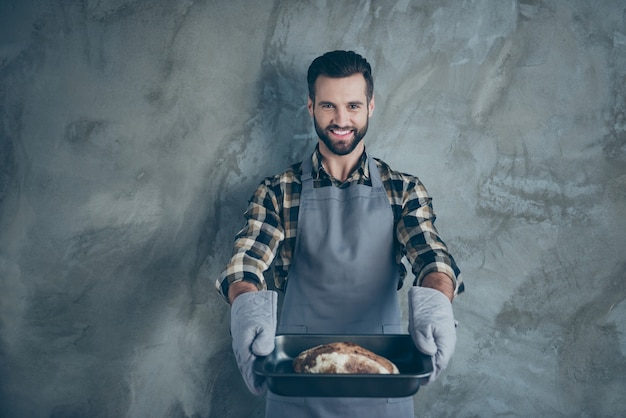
<point x="343" y="280"/>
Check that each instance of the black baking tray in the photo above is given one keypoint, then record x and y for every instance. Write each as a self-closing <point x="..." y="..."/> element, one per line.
<point x="277" y="368"/>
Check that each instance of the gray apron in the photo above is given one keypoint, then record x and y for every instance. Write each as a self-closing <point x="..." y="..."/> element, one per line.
<point x="343" y="280"/>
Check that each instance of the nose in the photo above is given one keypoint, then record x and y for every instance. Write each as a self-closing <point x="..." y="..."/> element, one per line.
<point x="342" y="117"/>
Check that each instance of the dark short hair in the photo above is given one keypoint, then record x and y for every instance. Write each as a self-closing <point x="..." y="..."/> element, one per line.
<point x="339" y="64"/>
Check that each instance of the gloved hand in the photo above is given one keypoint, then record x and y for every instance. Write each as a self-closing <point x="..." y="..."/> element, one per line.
<point x="432" y="326"/>
<point x="253" y="328"/>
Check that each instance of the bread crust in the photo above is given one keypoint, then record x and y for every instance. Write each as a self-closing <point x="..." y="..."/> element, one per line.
<point x="342" y="358"/>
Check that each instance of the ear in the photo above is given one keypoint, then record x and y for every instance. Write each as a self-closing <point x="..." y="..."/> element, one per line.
<point x="371" y="107"/>
<point x="310" y="105"/>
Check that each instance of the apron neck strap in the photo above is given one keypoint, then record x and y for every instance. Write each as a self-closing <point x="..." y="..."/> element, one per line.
<point x="307" y="169"/>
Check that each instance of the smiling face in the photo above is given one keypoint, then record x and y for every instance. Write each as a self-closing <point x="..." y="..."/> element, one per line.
<point x="341" y="113"/>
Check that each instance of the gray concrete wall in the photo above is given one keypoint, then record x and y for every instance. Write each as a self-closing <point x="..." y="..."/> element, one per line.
<point x="132" y="133"/>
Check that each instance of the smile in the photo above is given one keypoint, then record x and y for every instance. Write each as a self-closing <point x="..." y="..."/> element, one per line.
<point x="341" y="132"/>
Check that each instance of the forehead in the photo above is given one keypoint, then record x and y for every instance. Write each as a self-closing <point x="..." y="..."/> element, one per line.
<point x="352" y="88"/>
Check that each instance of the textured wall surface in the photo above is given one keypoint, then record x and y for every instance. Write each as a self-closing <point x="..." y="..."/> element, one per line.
<point x="132" y="133"/>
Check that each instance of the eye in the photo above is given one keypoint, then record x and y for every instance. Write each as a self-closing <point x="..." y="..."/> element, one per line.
<point x="354" y="107"/>
<point x="327" y="106"/>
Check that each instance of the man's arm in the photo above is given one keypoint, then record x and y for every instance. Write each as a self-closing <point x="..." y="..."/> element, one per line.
<point x="428" y="255"/>
<point x="238" y="288"/>
<point x="253" y="314"/>
<point x="255" y="245"/>
<point x="441" y="282"/>
<point x="437" y="278"/>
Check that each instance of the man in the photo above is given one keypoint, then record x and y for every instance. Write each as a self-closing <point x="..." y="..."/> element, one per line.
<point x="339" y="224"/>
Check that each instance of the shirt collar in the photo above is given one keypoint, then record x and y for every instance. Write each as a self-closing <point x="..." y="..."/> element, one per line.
<point x="361" y="170"/>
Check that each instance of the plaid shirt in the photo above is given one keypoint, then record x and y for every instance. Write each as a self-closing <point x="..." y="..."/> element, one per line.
<point x="272" y="219"/>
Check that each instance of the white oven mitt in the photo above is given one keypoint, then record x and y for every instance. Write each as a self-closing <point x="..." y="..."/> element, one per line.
<point x="432" y="326"/>
<point x="253" y="328"/>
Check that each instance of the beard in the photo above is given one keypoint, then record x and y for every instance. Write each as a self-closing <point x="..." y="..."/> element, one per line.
<point x="340" y="147"/>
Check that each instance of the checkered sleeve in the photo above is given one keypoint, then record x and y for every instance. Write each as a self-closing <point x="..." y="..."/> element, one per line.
<point x="417" y="233"/>
<point x="256" y="244"/>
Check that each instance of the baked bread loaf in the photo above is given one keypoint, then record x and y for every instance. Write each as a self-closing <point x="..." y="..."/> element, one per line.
<point x="342" y="358"/>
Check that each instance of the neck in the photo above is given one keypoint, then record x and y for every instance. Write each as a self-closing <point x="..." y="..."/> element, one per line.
<point x="340" y="166"/>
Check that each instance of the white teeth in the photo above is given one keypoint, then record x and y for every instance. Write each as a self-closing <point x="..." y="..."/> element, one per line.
<point x="341" y="132"/>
